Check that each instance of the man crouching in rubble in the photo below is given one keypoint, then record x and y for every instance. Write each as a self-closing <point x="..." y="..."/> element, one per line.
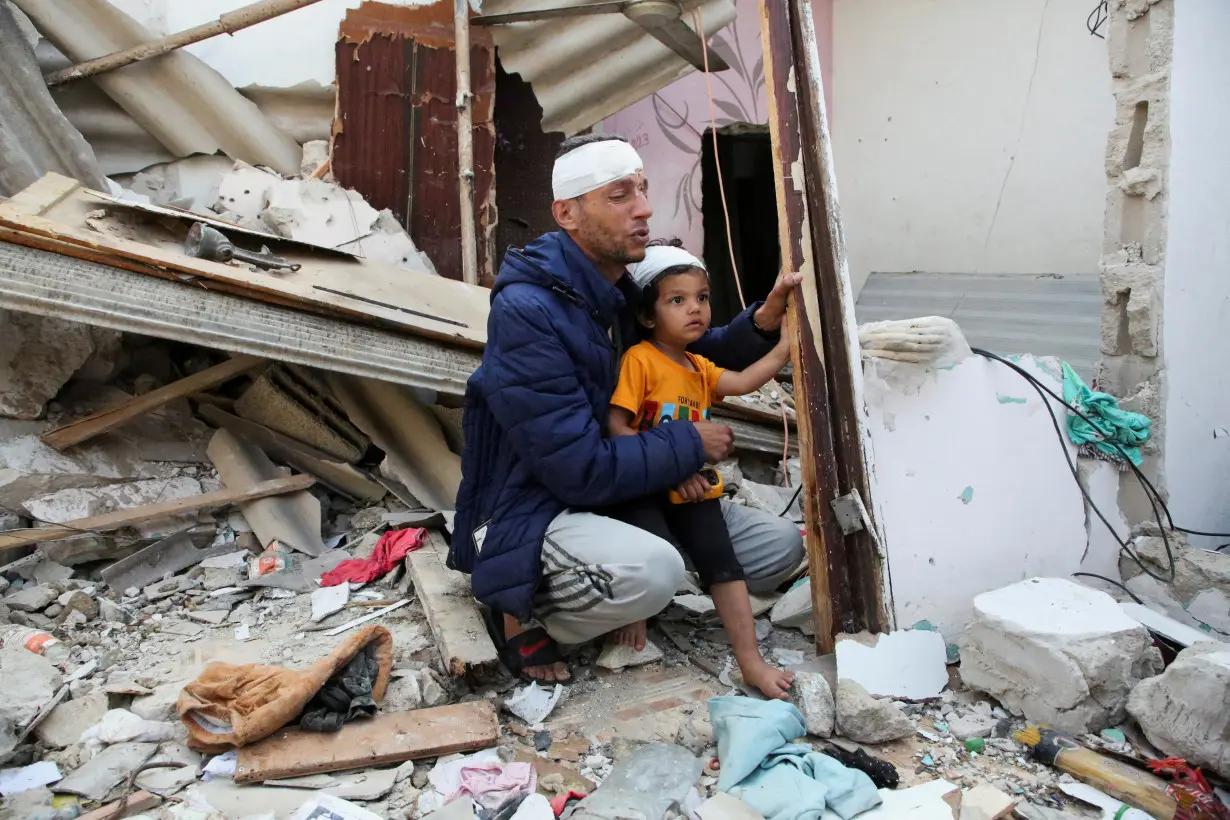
<point x="538" y="466"/>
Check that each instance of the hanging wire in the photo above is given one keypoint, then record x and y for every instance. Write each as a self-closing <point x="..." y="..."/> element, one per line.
<point x="1097" y="18"/>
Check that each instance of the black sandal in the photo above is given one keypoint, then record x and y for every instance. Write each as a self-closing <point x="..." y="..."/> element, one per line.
<point x="533" y="647"/>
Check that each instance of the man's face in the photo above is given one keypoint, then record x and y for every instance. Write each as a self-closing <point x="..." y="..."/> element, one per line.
<point x="610" y="224"/>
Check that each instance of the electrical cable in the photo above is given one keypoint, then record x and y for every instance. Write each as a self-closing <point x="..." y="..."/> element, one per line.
<point x="1135" y="597"/>
<point x="1151" y="492"/>
<point x="790" y="503"/>
<point x="698" y="19"/>
<point x="1096" y="18"/>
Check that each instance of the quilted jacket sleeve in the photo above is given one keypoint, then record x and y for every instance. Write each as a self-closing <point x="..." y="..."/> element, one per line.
<point x="736" y="346"/>
<point x="533" y="391"/>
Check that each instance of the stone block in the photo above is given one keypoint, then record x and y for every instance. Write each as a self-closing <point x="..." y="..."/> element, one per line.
<point x="32" y="598"/>
<point x="1056" y="652"/>
<point x="63" y="727"/>
<point x="811" y="694"/>
<point x="1183" y="711"/>
<point x="28" y="681"/>
<point x="863" y="719"/>
<point x="39" y="355"/>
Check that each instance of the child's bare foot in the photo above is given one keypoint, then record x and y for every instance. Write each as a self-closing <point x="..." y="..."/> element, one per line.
<point x="633" y="635"/>
<point x="773" y="682"/>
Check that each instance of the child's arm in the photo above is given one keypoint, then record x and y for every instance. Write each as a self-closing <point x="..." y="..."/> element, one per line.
<point x="742" y="382"/>
<point x="620" y="423"/>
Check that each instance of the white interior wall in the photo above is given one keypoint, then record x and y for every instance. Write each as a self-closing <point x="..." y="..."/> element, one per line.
<point x="971" y="486"/>
<point x="969" y="135"/>
<point x="1196" y="345"/>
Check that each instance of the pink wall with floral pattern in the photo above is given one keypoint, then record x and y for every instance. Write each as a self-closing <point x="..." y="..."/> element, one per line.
<point x="667" y="127"/>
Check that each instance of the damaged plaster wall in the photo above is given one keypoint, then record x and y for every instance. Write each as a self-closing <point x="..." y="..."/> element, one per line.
<point x="971" y="486"/>
<point x="1196" y="401"/>
<point x="968" y="135"/>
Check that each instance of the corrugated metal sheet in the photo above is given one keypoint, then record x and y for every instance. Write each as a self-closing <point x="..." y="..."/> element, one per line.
<point x="34" y="136"/>
<point x="584" y="69"/>
<point x="396" y="141"/>
<point x="50" y="284"/>
<point x="188" y="107"/>
<point x="1048" y="315"/>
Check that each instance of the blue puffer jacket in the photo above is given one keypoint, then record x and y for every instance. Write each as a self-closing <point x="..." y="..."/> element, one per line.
<point x="536" y="413"/>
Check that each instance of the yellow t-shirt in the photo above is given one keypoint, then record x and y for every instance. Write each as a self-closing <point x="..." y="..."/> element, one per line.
<point x="655" y="388"/>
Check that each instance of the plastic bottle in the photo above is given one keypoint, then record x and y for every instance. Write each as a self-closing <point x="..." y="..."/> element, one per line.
<point x="35" y="640"/>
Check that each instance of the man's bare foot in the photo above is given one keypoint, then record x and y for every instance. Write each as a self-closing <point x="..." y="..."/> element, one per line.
<point x="548" y="674"/>
<point x="633" y="635"/>
<point x="773" y="682"/>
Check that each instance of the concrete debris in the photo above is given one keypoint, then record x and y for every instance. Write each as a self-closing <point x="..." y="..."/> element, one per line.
<point x="1057" y="652"/>
<point x="1183" y="711"/>
<point x="68" y="721"/>
<point x="969" y="726"/>
<point x="1195" y="570"/>
<point x="40" y="354"/>
<point x="862" y="718"/>
<point x="160" y="705"/>
<point x="811" y="694"/>
<point x="106" y="770"/>
<point x="72" y="504"/>
<point x="32" y="599"/>
<point x="985" y="802"/>
<point x="616" y="657"/>
<point x="29" y="682"/>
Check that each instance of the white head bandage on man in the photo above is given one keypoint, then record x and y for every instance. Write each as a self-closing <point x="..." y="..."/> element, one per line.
<point x="659" y="258"/>
<point x="591" y="166"/>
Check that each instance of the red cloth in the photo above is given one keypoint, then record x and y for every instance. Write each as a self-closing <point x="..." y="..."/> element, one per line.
<point x="560" y="801"/>
<point x="393" y="546"/>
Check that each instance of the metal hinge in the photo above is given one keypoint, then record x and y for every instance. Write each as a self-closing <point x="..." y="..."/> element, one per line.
<point x="849" y="511"/>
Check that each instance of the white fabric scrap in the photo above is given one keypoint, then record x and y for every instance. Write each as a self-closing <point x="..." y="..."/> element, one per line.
<point x="221" y="766"/>
<point x="591" y="166"/>
<point x="534" y="703"/>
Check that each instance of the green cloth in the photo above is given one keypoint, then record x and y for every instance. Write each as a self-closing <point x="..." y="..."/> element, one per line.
<point x="1111" y="424"/>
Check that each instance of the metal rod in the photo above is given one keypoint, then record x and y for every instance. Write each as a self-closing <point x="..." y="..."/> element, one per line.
<point x="465" y="143"/>
<point x="226" y="24"/>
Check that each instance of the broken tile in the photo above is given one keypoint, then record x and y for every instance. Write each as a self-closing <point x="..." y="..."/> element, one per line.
<point x="214" y="617"/>
<point x="106" y="770"/>
<point x="328" y="600"/>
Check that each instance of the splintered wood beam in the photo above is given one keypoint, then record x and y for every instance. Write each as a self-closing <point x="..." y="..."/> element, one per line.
<point x="80" y="430"/>
<point x="821" y="326"/>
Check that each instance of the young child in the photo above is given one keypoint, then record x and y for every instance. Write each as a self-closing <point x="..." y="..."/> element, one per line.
<point x="661" y="382"/>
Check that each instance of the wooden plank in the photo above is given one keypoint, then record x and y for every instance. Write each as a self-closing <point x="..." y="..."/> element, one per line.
<point x="459" y="630"/>
<point x="303" y="457"/>
<point x="80" y="430"/>
<point x="136" y="802"/>
<point x="292" y="752"/>
<point x="824" y="539"/>
<point x="136" y="515"/>
<point x="831" y="299"/>
<point x="397" y="290"/>
<point x="44" y="194"/>
<point x="292" y="519"/>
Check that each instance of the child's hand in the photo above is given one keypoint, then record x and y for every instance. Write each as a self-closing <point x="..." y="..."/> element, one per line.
<point x="693" y="489"/>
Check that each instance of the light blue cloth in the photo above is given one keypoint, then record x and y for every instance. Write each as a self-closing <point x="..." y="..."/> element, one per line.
<point x="762" y="766"/>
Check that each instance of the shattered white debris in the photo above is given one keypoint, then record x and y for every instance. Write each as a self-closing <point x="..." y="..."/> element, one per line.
<point x="534" y="703"/>
<point x="906" y="664"/>
<point x="1057" y="652"/>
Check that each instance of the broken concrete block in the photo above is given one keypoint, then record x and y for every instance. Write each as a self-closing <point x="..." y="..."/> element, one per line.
<point x="863" y="719"/>
<point x="1056" y="652"/>
<point x="1183" y="710"/>
<point x="28" y="681"/>
<point x="794" y="609"/>
<point x="985" y="802"/>
<point x="112" y="612"/>
<point x="969" y="726"/>
<point x="1211" y="607"/>
<point x="32" y="598"/>
<point x="106" y="770"/>
<point x="1195" y="570"/>
<point x="167" y="588"/>
<point x="39" y="355"/>
<point x="909" y="664"/>
<point x="616" y="657"/>
<point x="811" y="694"/>
<point x="63" y="727"/>
<point x="160" y="706"/>
<point x="315" y="152"/>
<point x="78" y="601"/>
